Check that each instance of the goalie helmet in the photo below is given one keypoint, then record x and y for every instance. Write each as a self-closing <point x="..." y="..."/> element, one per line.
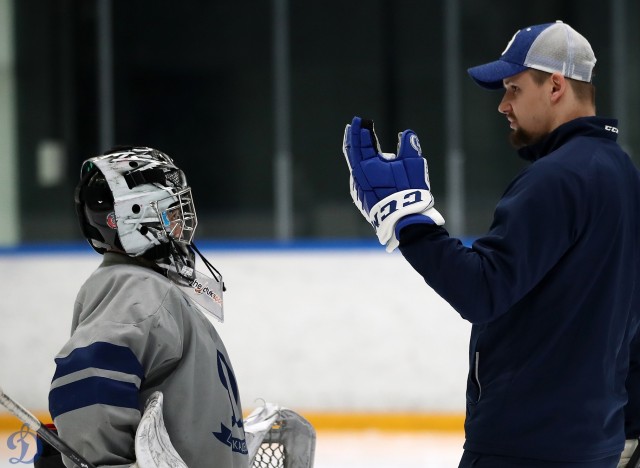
<point x="135" y="200"/>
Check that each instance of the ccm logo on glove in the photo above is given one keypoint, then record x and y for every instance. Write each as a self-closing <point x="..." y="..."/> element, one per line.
<point x="385" y="210"/>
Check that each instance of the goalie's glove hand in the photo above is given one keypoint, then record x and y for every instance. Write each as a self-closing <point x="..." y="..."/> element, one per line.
<point x="391" y="191"/>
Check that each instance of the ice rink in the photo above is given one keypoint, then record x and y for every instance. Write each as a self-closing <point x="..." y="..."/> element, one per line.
<point x="388" y="450"/>
<point x="343" y="449"/>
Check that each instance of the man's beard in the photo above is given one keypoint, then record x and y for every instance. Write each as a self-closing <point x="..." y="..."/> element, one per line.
<point x="520" y="138"/>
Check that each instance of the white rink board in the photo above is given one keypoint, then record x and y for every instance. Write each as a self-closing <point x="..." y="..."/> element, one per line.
<point x="320" y="330"/>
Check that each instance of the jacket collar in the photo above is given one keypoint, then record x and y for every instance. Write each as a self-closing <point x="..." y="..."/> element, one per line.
<point x="583" y="126"/>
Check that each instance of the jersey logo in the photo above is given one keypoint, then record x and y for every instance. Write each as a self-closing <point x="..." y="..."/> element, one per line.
<point x="225" y="435"/>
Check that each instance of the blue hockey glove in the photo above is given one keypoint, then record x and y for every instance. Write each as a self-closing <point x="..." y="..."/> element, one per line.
<point x="391" y="191"/>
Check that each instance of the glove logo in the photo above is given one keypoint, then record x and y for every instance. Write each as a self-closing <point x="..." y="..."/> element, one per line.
<point x="412" y="197"/>
<point x="413" y="140"/>
<point x="385" y="210"/>
<point x="389" y="208"/>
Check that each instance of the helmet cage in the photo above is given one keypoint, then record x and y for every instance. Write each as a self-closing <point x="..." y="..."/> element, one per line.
<point x="179" y="218"/>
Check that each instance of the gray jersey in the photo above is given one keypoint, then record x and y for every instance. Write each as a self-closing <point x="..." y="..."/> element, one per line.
<point x="133" y="333"/>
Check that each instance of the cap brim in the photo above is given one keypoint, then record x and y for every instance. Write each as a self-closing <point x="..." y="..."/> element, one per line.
<point x="490" y="75"/>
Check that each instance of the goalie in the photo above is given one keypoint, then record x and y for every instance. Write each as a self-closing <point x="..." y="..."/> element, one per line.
<point x="139" y="322"/>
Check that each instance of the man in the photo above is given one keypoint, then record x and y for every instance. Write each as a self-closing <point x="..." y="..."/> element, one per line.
<point x="139" y="323"/>
<point x="553" y="289"/>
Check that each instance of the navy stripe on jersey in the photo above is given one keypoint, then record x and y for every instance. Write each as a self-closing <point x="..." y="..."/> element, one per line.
<point x="92" y="391"/>
<point x="100" y="355"/>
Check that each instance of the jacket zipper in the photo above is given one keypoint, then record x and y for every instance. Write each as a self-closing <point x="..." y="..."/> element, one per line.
<point x="477" y="374"/>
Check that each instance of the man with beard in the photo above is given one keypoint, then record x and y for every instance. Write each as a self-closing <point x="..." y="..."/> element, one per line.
<point x="553" y="289"/>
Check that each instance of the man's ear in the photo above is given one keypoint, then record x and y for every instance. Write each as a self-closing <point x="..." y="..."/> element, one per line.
<point x="558" y="86"/>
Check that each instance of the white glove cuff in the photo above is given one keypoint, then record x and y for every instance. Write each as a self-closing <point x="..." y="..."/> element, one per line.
<point x="385" y="214"/>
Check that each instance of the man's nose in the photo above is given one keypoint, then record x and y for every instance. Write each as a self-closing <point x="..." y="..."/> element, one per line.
<point x="505" y="106"/>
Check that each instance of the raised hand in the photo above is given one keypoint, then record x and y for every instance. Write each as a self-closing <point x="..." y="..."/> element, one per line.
<point x="387" y="187"/>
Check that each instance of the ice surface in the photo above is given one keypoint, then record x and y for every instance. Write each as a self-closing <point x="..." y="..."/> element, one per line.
<point x="359" y="449"/>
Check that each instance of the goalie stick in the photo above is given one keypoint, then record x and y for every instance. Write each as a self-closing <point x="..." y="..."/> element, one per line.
<point x="34" y="424"/>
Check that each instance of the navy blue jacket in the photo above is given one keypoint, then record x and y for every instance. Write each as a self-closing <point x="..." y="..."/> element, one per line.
<point x="553" y="293"/>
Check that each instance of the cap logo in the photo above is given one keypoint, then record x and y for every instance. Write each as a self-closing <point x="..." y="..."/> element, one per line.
<point x="510" y="43"/>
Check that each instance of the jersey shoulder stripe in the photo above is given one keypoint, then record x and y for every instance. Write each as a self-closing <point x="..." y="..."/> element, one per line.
<point x="99" y="355"/>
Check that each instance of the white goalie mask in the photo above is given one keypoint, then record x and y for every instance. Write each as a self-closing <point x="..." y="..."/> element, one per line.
<point x="137" y="201"/>
<point x="150" y="201"/>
